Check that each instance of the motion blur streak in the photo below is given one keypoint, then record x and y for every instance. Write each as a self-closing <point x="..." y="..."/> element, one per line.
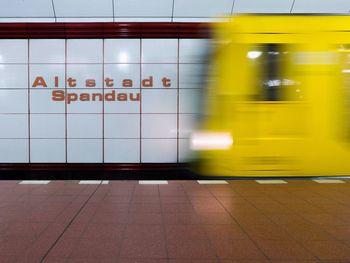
<point x="211" y="141"/>
<point x="281" y="89"/>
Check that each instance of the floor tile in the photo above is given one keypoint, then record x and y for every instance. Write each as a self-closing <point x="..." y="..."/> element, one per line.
<point x="307" y="232"/>
<point x="155" y="232"/>
<point x="190" y="249"/>
<point x="145" y="208"/>
<point x="144" y="219"/>
<point x="103" y="231"/>
<point x="185" y="232"/>
<point x="64" y="247"/>
<point x="178" y="208"/>
<point x="182" y="221"/>
<point x="284" y="250"/>
<point x="225" y="232"/>
<point x="143" y="248"/>
<point x="329" y="250"/>
<point x="181" y="218"/>
<point x="267" y="232"/>
<point x="54" y="260"/>
<point x="237" y="250"/>
<point x="91" y="248"/>
<point x="209" y="218"/>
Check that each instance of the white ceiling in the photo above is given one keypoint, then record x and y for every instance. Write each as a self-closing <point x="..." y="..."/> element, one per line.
<point x="155" y="10"/>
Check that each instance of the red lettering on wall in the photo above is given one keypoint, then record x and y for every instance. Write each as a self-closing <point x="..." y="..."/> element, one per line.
<point x="90" y="83"/>
<point x="39" y="81"/>
<point x="127" y="83"/>
<point x="147" y="82"/>
<point x="58" y="95"/>
<point x="166" y="82"/>
<point x="72" y="82"/>
<point x="109" y="82"/>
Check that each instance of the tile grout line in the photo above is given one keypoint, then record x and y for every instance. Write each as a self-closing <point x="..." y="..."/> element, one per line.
<point x="29" y="92"/>
<point x="292" y="7"/>
<point x="233" y="5"/>
<point x="68" y="225"/>
<point x="292" y="238"/>
<point x="321" y="227"/>
<point x="86" y="226"/>
<point x="172" y="11"/>
<point x="65" y="102"/>
<point x="218" y="259"/>
<point x="140" y="92"/>
<point x="54" y="10"/>
<point x="103" y="101"/>
<point x="178" y="101"/>
<point x="163" y="224"/>
<point x="240" y="226"/>
<point x="123" y="236"/>
<point x="113" y="10"/>
<point x="61" y="212"/>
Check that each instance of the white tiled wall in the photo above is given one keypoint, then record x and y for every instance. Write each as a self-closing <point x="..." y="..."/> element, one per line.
<point x="141" y="120"/>
<point x="159" y="126"/>
<point x="159" y="51"/>
<point x="84" y="72"/>
<point x="40" y="102"/>
<point x="48" y="72"/>
<point x="84" y="51"/>
<point x="83" y="106"/>
<point x="14" y="51"/>
<point x="14" y="126"/>
<point x="122" y="50"/>
<point x="49" y="126"/>
<point x="119" y="72"/>
<point x="156" y="10"/>
<point x="47" y="50"/>
<point x="159" y="150"/>
<point x="16" y="76"/>
<point x="119" y="126"/>
<point x="123" y="106"/>
<point x="84" y="150"/>
<point x="84" y="125"/>
<point x="14" y="150"/>
<point x="122" y="150"/>
<point x="13" y="101"/>
<point x="47" y="150"/>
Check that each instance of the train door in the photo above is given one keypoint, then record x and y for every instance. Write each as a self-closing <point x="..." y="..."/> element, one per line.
<point x="270" y="122"/>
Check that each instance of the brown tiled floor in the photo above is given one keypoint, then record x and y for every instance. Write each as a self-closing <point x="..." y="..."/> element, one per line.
<point x="181" y="222"/>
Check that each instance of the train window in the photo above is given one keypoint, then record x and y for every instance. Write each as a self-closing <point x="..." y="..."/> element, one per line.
<point x="268" y="62"/>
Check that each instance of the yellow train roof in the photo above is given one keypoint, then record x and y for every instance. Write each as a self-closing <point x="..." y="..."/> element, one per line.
<point x="284" y="23"/>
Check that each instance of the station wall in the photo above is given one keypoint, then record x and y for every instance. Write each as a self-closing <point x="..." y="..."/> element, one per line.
<point x="99" y="100"/>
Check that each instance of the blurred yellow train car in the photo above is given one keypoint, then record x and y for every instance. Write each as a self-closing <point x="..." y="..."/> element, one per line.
<point x="279" y="104"/>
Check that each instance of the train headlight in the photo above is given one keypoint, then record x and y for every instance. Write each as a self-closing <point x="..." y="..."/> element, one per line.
<point x="211" y="140"/>
<point x="254" y="54"/>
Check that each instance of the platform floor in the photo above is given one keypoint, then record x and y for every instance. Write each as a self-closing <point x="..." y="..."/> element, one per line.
<point x="181" y="221"/>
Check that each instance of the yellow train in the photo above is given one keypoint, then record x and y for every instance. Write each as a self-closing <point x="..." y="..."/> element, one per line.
<point x="280" y="102"/>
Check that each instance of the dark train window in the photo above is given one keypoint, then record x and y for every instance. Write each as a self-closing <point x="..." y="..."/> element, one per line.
<point x="268" y="60"/>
